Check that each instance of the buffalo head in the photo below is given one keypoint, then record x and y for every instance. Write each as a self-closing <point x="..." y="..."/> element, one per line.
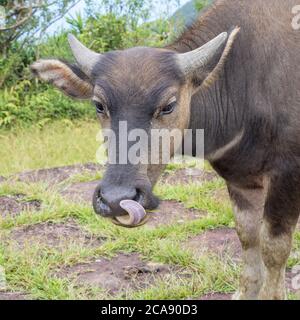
<point x="143" y="89"/>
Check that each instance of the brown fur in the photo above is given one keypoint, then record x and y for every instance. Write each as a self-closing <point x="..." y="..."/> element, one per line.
<point x="63" y="77"/>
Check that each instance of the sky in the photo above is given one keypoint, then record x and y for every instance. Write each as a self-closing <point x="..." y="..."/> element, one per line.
<point x="80" y="7"/>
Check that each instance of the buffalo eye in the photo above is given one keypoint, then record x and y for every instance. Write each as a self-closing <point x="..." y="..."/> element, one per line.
<point x="168" y="108"/>
<point x="99" y="107"/>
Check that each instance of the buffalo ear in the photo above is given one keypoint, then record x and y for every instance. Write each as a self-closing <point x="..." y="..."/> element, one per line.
<point x="66" y="77"/>
<point x="203" y="65"/>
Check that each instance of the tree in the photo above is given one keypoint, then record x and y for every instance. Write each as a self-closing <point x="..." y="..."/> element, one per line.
<point x="27" y="19"/>
<point x="134" y="11"/>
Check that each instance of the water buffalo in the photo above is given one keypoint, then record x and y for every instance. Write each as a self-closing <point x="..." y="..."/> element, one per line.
<point x="236" y="74"/>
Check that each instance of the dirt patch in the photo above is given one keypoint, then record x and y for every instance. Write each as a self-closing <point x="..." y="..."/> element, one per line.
<point x="56" y="175"/>
<point x="13" y="296"/>
<point x="80" y="192"/>
<point x="14" y="205"/>
<point x="185" y="176"/>
<point x="222" y="241"/>
<point x="170" y="212"/>
<point x="119" y="275"/>
<point x="216" y="296"/>
<point x="58" y="235"/>
<point x="59" y="174"/>
<point x="2" y="179"/>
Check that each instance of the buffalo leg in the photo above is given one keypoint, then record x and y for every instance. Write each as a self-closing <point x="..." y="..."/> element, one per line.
<point x="248" y="204"/>
<point x="280" y="218"/>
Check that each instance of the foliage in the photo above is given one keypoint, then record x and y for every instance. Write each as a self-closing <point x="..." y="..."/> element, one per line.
<point x="109" y="32"/>
<point x="200" y="4"/>
<point x="26" y="18"/>
<point x="23" y="24"/>
<point x="134" y="11"/>
<point x="108" y="25"/>
<point x="104" y="33"/>
<point x="24" y="104"/>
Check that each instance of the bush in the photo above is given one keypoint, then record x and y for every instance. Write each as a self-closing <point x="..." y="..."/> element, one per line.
<point x="14" y="67"/>
<point x="24" y="104"/>
<point x="25" y="100"/>
<point x="108" y="32"/>
<point x="105" y="33"/>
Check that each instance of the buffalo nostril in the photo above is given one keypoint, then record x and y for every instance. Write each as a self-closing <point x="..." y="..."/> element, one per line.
<point x="106" y="201"/>
<point x="104" y="209"/>
<point x="138" y="197"/>
<point x="100" y="207"/>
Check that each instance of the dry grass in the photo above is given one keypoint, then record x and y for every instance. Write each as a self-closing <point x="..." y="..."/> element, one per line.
<point x="57" y="144"/>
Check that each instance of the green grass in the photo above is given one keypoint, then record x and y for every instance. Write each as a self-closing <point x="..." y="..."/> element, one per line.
<point x="35" y="269"/>
<point x="197" y="196"/>
<point x="84" y="177"/>
<point x="57" y="144"/>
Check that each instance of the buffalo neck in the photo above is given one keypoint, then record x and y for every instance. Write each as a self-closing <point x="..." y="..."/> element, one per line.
<point x="221" y="110"/>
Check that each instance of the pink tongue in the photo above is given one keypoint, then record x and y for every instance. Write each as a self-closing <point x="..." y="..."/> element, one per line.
<point x="136" y="213"/>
